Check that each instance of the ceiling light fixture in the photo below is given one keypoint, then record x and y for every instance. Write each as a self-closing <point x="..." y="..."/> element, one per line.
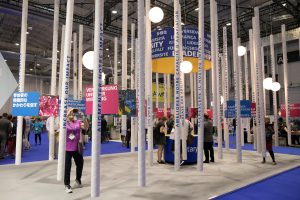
<point x="114" y="12"/>
<point x="156" y="14"/>
<point x="186" y="67"/>
<point x="17" y="44"/>
<point x="88" y="60"/>
<point x="196" y="9"/>
<point x="268" y="83"/>
<point x="241" y="50"/>
<point x="228" y="24"/>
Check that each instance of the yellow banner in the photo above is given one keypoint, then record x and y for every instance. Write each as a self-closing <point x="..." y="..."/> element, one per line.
<point x="166" y="65"/>
<point x="160" y="93"/>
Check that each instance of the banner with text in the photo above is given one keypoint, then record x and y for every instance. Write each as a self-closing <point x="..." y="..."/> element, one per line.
<point x="245" y="109"/>
<point x="25" y="104"/>
<point x="294" y="110"/>
<point x="163" y="49"/>
<point x="109" y="100"/>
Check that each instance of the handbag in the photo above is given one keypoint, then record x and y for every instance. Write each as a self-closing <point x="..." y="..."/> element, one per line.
<point x="80" y="148"/>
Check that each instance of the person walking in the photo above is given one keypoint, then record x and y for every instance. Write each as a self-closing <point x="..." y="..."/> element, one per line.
<point x="208" y="140"/>
<point x="269" y="137"/>
<point x="37" y="129"/>
<point x="5" y="129"/>
<point x="74" y="149"/>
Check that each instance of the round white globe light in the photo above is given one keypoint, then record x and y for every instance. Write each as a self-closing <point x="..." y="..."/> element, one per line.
<point x="186" y="67"/>
<point x="241" y="50"/>
<point x="222" y="100"/>
<point x="268" y="83"/>
<point x="88" y="60"/>
<point x="156" y="14"/>
<point x="276" y="86"/>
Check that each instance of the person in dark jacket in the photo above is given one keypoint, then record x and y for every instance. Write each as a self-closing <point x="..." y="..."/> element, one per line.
<point x="5" y="130"/>
<point x="208" y="140"/>
<point x="269" y="137"/>
<point x="160" y="139"/>
<point x="128" y="134"/>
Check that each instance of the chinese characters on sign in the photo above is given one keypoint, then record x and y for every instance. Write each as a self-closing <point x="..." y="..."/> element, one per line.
<point x="25" y="104"/>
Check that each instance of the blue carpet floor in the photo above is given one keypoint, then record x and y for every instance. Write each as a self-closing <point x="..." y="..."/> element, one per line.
<point x="284" y="186"/>
<point x="41" y="152"/>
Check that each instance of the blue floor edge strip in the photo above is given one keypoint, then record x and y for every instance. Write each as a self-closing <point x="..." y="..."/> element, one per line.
<point x="254" y="183"/>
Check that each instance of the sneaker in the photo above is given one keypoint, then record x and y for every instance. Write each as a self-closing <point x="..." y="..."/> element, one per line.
<point x="77" y="184"/>
<point x="206" y="161"/>
<point x="161" y="162"/>
<point x="68" y="189"/>
<point x="181" y="163"/>
<point x="274" y="163"/>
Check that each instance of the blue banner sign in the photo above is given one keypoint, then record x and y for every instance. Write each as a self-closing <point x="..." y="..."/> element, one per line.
<point x="245" y="109"/>
<point x="25" y="104"/>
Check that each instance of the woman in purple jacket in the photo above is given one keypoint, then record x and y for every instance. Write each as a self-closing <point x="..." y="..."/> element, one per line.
<point x="73" y="143"/>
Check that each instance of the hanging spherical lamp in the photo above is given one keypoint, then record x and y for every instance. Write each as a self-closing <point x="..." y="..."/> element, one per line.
<point x="186" y="67"/>
<point x="241" y="50"/>
<point x="88" y="60"/>
<point x="156" y="14"/>
<point x="276" y="86"/>
<point x="268" y="83"/>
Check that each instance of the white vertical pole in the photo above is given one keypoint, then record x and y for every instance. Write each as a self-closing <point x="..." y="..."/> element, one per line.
<point x="253" y="83"/>
<point x="97" y="85"/>
<point x="75" y="69"/>
<point x="148" y="70"/>
<point x="80" y="62"/>
<point x="137" y="85"/>
<point x="177" y="84"/>
<point x="200" y="80"/>
<point x="21" y="78"/>
<point x="260" y="110"/>
<point x="157" y="90"/>
<point x="132" y="84"/>
<point x="116" y="61"/>
<point x="241" y="93"/>
<point x="286" y="83"/>
<point x="53" y="77"/>
<point x="237" y="78"/>
<point x="165" y="95"/>
<point x="192" y="89"/>
<point x="263" y="76"/>
<point x="65" y="91"/>
<point x="169" y="90"/>
<point x="275" y="112"/>
<point x="61" y="60"/>
<point x="213" y="59"/>
<point x="225" y="83"/>
<point x="141" y="138"/>
<point x="195" y="87"/>
<point x="124" y="56"/>
<point x="247" y="91"/>
<point x="218" y="86"/>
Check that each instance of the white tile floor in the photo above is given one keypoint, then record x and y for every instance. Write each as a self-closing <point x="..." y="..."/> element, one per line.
<point x="37" y="181"/>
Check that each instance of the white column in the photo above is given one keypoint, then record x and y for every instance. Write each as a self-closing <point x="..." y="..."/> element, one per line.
<point x="177" y="84"/>
<point x="21" y="78"/>
<point x="253" y="83"/>
<point x="41" y="86"/>
<point x="263" y="76"/>
<point x="241" y="93"/>
<point x="165" y="95"/>
<point x="148" y="70"/>
<point x="137" y="83"/>
<point x="213" y="59"/>
<point x="275" y="111"/>
<point x="132" y="85"/>
<point x="286" y="83"/>
<point x="200" y="80"/>
<point x="124" y="56"/>
<point x="141" y="138"/>
<point x="157" y="90"/>
<point x="65" y="91"/>
<point x="247" y="91"/>
<point x="75" y="82"/>
<point x="192" y="89"/>
<point x="260" y="110"/>
<point x="97" y="85"/>
<point x="225" y="83"/>
<point x="61" y="60"/>
<point x="80" y="62"/>
<point x="236" y="77"/>
<point x="116" y="61"/>
<point x="169" y="90"/>
<point x="53" y="77"/>
<point x="218" y="86"/>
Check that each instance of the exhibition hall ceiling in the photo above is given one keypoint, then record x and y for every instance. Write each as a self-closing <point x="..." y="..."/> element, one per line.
<point x="40" y="26"/>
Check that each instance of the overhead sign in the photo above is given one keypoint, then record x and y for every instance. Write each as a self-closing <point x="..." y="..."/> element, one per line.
<point x="245" y="109"/>
<point x="25" y="104"/>
<point x="8" y="84"/>
<point x="292" y="56"/>
<point x="161" y="92"/>
<point x="77" y="104"/>
<point x="159" y="112"/>
<point x="163" y="54"/>
<point x="127" y="102"/>
<point x="109" y="100"/>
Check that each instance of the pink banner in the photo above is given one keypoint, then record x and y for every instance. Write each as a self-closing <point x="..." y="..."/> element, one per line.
<point x="159" y="112"/>
<point x="48" y="106"/>
<point x="193" y="112"/>
<point x="253" y="109"/>
<point x="294" y="110"/>
<point x="110" y="99"/>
